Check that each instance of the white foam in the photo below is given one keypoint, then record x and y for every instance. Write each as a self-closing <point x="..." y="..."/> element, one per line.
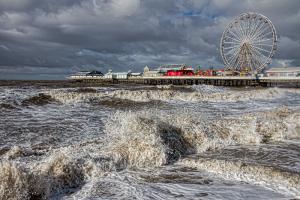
<point x="201" y="93"/>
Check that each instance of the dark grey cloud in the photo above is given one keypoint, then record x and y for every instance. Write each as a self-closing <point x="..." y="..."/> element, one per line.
<point x="50" y="38"/>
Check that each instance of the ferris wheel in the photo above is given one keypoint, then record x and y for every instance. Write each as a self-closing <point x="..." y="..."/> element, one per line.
<point x="248" y="43"/>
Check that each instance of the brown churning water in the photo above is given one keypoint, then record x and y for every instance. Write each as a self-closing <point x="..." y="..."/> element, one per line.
<point x="142" y="142"/>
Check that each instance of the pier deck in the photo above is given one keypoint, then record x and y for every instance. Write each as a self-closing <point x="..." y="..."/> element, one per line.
<point x="235" y="81"/>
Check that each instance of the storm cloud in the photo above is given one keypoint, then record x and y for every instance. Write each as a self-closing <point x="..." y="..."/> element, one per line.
<point x="50" y="39"/>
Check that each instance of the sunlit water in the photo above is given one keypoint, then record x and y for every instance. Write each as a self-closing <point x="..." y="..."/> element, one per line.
<point x="142" y="142"/>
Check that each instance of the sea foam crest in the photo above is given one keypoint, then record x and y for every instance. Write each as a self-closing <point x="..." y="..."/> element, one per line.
<point x="199" y="93"/>
<point x="287" y="182"/>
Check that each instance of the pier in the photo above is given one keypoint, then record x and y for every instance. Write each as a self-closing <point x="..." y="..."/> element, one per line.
<point x="231" y="81"/>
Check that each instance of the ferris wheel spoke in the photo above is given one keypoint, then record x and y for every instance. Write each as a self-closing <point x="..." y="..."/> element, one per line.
<point x="242" y="23"/>
<point x="235" y="35"/>
<point x="234" y="56"/>
<point x="262" y="34"/>
<point x="264" y="40"/>
<point x="257" y="42"/>
<point x="237" y="30"/>
<point x="233" y="59"/>
<point x="232" y="63"/>
<point x="259" y="63"/>
<point x="232" y="44"/>
<point x="252" y="65"/>
<point x="231" y="47"/>
<point x="252" y="27"/>
<point x="246" y="26"/>
<point x="232" y="38"/>
<point x="261" y="27"/>
<point x="259" y="54"/>
<point x="256" y="64"/>
<point x="231" y="54"/>
<point x="261" y="44"/>
<point x="258" y="27"/>
<point x="256" y="60"/>
<point x="260" y="49"/>
<point x="235" y="43"/>
<point x="230" y="58"/>
<point x="259" y="32"/>
<point x="249" y="26"/>
<point x="242" y="30"/>
<point x="255" y="27"/>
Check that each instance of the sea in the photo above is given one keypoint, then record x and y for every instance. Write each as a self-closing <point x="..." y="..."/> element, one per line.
<point x="76" y="141"/>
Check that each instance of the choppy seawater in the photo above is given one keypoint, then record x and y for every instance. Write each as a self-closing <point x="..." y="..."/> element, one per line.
<point x="144" y="142"/>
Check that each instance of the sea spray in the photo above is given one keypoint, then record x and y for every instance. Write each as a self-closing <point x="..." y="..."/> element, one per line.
<point x="61" y="172"/>
<point x="134" y="141"/>
<point x="40" y="180"/>
<point x="14" y="152"/>
<point x="13" y="182"/>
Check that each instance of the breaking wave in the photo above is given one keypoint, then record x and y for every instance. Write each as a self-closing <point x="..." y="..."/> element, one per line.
<point x="199" y="93"/>
<point x="39" y="100"/>
<point x="155" y="138"/>
<point x="281" y="180"/>
<point x="86" y="90"/>
<point x="125" y="104"/>
<point x="50" y="177"/>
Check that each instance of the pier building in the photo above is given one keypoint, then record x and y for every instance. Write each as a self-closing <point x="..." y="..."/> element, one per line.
<point x="283" y="72"/>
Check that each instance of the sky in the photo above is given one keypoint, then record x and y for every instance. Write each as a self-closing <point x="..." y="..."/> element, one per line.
<point x="49" y="39"/>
